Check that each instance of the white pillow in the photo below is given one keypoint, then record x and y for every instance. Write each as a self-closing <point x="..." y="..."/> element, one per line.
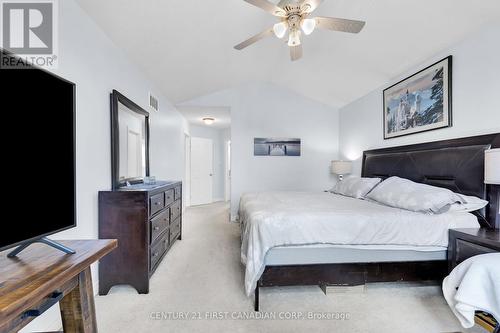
<point x="470" y="204"/>
<point x="405" y="194"/>
<point x="355" y="187"/>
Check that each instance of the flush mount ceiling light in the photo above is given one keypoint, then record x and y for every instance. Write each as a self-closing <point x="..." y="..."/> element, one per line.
<point x="208" y="120"/>
<point x="294" y="17"/>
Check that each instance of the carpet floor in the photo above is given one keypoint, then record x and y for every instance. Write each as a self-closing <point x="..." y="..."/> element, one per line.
<point x="199" y="288"/>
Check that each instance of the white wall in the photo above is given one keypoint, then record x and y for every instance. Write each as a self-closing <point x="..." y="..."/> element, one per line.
<point x="266" y="110"/>
<point x="89" y="59"/>
<point x="217" y="137"/>
<point x="476" y="100"/>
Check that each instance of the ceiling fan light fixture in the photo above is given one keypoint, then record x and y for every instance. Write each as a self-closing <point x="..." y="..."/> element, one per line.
<point x="294" y="37"/>
<point x="308" y="25"/>
<point x="279" y="29"/>
<point x="295" y="17"/>
<point x="208" y="120"/>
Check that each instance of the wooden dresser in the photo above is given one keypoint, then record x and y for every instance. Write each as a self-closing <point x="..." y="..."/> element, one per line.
<point x="146" y="220"/>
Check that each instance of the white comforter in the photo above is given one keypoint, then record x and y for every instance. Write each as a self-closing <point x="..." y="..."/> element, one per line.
<point x="270" y="219"/>
<point x="474" y="285"/>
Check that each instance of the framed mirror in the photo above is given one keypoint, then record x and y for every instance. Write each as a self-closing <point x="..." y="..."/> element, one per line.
<point x="129" y="141"/>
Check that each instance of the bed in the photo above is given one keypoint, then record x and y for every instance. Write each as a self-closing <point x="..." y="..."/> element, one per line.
<point x="371" y="242"/>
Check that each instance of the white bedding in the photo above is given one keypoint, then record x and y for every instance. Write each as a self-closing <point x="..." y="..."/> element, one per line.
<point x="474" y="285"/>
<point x="270" y="219"/>
<point x="341" y="254"/>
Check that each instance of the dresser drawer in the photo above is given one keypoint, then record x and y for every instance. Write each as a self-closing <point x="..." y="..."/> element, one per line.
<point x="175" y="229"/>
<point x="175" y="210"/>
<point x="465" y="250"/>
<point x="159" y="224"/>
<point x="178" y="193"/>
<point x="169" y="197"/>
<point x="158" y="250"/>
<point x="156" y="203"/>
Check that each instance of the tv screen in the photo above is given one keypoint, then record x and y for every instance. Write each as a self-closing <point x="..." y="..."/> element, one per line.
<point x="38" y="153"/>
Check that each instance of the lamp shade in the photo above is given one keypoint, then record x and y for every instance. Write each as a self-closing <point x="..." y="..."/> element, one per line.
<point x="308" y="25"/>
<point x="294" y="37"/>
<point x="279" y="29"/>
<point x="341" y="167"/>
<point x="492" y="166"/>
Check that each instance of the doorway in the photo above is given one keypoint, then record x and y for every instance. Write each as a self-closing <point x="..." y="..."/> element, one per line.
<point x="202" y="170"/>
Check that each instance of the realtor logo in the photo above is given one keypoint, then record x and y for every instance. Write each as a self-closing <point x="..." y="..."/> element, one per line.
<point x="29" y="30"/>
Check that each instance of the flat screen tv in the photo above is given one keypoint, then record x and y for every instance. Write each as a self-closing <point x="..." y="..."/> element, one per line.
<point x="38" y="153"/>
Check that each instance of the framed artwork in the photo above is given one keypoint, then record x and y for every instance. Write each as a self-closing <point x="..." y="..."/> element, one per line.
<point x="419" y="103"/>
<point x="276" y="147"/>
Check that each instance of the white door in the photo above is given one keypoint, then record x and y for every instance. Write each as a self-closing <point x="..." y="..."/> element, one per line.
<point x="187" y="177"/>
<point x="227" y="192"/>
<point x="202" y="166"/>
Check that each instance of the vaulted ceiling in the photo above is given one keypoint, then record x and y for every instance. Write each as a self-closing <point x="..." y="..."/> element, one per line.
<point x="186" y="46"/>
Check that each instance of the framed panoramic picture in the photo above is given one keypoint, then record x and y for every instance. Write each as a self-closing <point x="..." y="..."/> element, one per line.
<point x="421" y="102"/>
<point x="276" y="147"/>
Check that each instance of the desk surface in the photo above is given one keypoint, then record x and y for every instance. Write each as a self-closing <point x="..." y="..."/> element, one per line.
<point x="39" y="269"/>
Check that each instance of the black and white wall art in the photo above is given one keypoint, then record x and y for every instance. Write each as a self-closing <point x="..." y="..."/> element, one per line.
<point x="276" y="147"/>
<point x="421" y="102"/>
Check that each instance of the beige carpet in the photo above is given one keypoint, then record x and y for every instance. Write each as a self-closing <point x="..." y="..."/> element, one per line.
<point x="199" y="288"/>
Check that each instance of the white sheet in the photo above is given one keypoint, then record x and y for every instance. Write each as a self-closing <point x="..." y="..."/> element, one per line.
<point x="388" y="247"/>
<point x="271" y="219"/>
<point x="340" y="254"/>
<point x="474" y="285"/>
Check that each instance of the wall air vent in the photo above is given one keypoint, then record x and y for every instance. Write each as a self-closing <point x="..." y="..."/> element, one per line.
<point x="153" y="102"/>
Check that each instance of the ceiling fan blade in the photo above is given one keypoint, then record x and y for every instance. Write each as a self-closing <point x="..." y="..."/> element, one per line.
<point x="296" y="52"/>
<point x="254" y="39"/>
<point x="338" y="24"/>
<point x="310" y="5"/>
<point x="268" y="7"/>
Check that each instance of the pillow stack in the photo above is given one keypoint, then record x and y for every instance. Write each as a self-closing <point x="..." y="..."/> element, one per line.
<point x="355" y="187"/>
<point x="405" y="194"/>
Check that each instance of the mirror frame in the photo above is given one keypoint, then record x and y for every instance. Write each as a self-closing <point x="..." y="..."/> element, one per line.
<point x="116" y="98"/>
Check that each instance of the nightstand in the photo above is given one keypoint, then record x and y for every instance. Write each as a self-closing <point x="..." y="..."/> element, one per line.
<point x="466" y="243"/>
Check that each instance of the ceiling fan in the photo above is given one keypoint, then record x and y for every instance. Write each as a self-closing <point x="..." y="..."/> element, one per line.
<point x="294" y="18"/>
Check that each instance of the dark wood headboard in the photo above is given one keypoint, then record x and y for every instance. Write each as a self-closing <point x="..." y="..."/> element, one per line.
<point x="456" y="164"/>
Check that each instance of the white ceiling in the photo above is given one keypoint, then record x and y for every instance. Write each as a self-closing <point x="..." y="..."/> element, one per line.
<point x="195" y="114"/>
<point x="186" y="46"/>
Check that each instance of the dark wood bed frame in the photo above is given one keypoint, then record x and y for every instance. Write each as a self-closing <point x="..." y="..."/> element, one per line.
<point x="456" y="164"/>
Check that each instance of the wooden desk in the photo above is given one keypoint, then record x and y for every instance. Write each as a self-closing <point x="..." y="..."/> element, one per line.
<point x="40" y="276"/>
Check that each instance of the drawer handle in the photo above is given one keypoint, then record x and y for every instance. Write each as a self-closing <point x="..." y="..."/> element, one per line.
<point x="156" y="228"/>
<point x="168" y="198"/>
<point x="165" y="219"/>
<point x="157" y="203"/>
<point x="155" y="254"/>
